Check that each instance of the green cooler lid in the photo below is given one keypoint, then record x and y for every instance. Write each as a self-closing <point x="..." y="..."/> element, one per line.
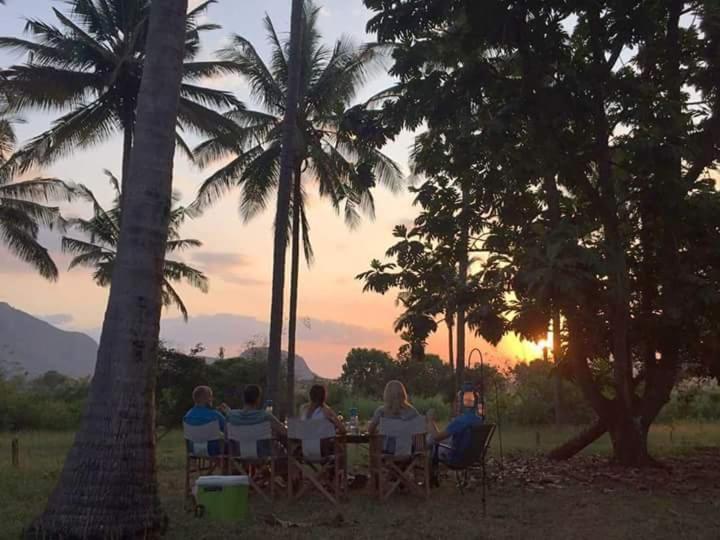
<point x="224" y="481"/>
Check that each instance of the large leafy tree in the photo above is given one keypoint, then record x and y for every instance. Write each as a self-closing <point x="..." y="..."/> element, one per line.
<point x="432" y="268"/>
<point x="594" y="125"/>
<point x="108" y="485"/>
<point x="336" y="143"/>
<point x="24" y="206"/>
<point x="97" y="248"/>
<point x="89" y="66"/>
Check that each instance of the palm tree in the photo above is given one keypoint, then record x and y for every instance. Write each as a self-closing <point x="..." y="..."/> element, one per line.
<point x="331" y="149"/>
<point x="99" y="253"/>
<point x="23" y="206"/>
<point x="90" y="67"/>
<point x="23" y="213"/>
<point x="108" y="486"/>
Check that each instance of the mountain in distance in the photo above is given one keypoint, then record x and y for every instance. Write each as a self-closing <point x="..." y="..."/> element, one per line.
<point x="35" y="346"/>
<point x="302" y="371"/>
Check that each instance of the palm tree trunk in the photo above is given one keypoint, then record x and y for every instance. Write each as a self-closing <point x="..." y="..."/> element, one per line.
<point x="127" y="152"/>
<point x="108" y="486"/>
<point x="451" y="348"/>
<point x="294" y="276"/>
<point x="287" y="160"/>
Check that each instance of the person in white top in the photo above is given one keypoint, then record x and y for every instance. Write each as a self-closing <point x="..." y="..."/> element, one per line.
<point x="317" y="408"/>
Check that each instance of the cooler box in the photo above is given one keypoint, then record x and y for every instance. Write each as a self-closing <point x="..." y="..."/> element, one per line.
<point x="223" y="498"/>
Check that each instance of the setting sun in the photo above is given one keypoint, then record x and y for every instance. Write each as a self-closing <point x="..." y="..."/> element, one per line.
<point x="531" y="350"/>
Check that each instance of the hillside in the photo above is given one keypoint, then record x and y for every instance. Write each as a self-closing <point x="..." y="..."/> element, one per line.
<point x="36" y="346"/>
<point x="302" y="371"/>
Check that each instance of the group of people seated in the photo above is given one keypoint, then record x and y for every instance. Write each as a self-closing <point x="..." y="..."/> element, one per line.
<point x="396" y="406"/>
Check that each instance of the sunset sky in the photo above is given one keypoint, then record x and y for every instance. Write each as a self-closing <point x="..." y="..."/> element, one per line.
<point x="237" y="257"/>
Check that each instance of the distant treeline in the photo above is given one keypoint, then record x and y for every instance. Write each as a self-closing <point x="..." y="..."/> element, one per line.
<point x="522" y="394"/>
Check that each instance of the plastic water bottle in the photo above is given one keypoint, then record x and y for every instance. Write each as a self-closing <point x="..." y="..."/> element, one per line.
<point x="354" y="421"/>
<point x="269" y="406"/>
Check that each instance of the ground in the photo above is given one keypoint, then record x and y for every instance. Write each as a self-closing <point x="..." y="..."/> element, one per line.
<point x="528" y="498"/>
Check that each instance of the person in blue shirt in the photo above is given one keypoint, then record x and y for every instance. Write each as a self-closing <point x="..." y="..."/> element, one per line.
<point x="202" y="413"/>
<point x="459" y="431"/>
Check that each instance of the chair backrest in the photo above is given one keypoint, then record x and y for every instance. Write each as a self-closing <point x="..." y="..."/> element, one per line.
<point x="479" y="442"/>
<point x="199" y="439"/>
<point x="403" y="432"/>
<point x="246" y="438"/>
<point x="311" y="433"/>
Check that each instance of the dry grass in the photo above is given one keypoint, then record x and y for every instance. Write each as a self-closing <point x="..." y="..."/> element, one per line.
<point x="571" y="511"/>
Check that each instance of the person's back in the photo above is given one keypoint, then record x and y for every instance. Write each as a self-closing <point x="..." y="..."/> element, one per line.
<point x="460" y="428"/>
<point x="317" y="408"/>
<point x="396" y="406"/>
<point x="252" y="413"/>
<point x="202" y="414"/>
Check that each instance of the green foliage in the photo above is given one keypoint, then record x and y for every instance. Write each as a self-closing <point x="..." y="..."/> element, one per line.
<point x="338" y="140"/>
<point x="693" y="399"/>
<point x="24" y="207"/>
<point x="584" y="134"/>
<point x="90" y="67"/>
<point x="366" y="371"/>
<point x="530" y="398"/>
<point x="50" y="402"/>
<point x="97" y="248"/>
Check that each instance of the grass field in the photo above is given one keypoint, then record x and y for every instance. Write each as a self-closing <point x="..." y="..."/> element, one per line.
<point x="571" y="511"/>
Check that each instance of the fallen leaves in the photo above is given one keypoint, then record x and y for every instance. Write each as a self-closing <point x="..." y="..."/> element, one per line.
<point x="695" y="473"/>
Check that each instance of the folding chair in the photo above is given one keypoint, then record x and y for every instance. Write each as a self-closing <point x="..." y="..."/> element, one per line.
<point x="308" y="466"/>
<point x="410" y="456"/>
<point x="205" y="452"/>
<point x="245" y="455"/>
<point x="473" y="459"/>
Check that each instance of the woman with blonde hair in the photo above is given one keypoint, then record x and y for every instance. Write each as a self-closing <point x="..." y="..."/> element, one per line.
<point x="396" y="405"/>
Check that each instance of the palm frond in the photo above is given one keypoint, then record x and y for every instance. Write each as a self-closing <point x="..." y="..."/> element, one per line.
<point x="26" y="247"/>
<point x="47" y="216"/>
<point x="182" y="245"/>
<point x="259" y="181"/>
<point x="170" y="297"/>
<point x="224" y="179"/>
<point x="47" y="87"/>
<point x="209" y="69"/>
<point x="263" y="86"/>
<point x="39" y="189"/>
<point x="184" y="148"/>
<point x="86" y="126"/>
<point x="176" y="272"/>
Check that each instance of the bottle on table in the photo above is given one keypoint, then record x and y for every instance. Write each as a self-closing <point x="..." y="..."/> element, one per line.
<point x="269" y="406"/>
<point x="354" y="421"/>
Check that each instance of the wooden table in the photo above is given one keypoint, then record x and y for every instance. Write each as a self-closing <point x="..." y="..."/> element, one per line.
<point x="374" y="443"/>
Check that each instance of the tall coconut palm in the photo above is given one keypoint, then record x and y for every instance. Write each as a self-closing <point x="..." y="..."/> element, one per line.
<point x="330" y="151"/>
<point x="24" y="206"/>
<point x="108" y="486"/>
<point x="90" y="67"/>
<point x="98" y="249"/>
